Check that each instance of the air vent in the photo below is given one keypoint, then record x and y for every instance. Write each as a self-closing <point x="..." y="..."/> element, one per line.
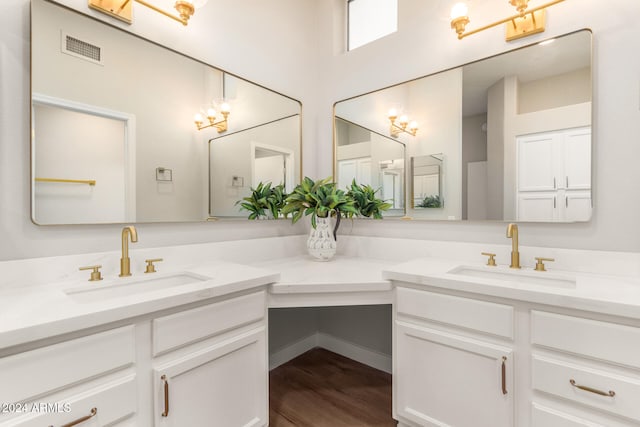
<point x="81" y="49"/>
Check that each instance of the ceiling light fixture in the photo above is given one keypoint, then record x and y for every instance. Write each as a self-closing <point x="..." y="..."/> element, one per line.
<point x="122" y="9"/>
<point x="525" y="23"/>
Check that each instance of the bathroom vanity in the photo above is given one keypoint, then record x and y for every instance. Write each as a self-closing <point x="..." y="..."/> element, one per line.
<point x="523" y="348"/>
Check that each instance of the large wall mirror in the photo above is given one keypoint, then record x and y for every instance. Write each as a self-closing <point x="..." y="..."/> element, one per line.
<point x="506" y="138"/>
<point x="113" y="132"/>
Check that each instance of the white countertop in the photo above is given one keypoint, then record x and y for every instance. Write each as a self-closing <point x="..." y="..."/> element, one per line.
<point x="33" y="304"/>
<point x="606" y="294"/>
<point x="36" y="312"/>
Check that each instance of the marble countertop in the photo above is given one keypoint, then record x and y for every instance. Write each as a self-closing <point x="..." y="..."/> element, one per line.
<point x="606" y="294"/>
<point x="36" y="312"/>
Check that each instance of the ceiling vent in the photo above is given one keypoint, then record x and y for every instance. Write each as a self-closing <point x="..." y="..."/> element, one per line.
<point x="81" y="49"/>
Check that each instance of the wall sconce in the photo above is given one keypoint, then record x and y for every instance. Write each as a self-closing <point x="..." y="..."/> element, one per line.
<point x="221" y="126"/>
<point x="403" y="124"/>
<point x="122" y="9"/>
<point x="525" y="23"/>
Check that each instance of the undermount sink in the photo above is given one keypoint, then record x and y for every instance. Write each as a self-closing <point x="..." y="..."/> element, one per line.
<point x="128" y="287"/>
<point x="528" y="277"/>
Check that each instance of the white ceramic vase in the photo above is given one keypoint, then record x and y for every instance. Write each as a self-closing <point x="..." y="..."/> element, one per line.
<point x="321" y="244"/>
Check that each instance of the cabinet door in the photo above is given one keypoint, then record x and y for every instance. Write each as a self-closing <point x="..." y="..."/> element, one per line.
<point x="577" y="206"/>
<point x="443" y="379"/>
<point x="535" y="206"/>
<point x="538" y="161"/>
<point x="225" y="385"/>
<point x="577" y="159"/>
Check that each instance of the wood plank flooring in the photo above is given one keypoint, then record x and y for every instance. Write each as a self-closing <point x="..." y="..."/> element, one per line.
<point x="323" y="389"/>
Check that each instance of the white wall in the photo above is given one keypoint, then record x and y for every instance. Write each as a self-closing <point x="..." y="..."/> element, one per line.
<point x="425" y="44"/>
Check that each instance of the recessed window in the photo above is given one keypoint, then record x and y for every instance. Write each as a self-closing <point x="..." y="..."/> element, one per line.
<point x="369" y="20"/>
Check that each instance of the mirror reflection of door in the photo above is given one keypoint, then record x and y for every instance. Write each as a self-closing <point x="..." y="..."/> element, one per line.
<point x="81" y="175"/>
<point x="426" y="172"/>
<point x="272" y="164"/>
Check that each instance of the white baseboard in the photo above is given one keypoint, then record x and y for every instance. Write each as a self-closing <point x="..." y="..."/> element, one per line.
<point x="344" y="348"/>
<point x="356" y="352"/>
<point x="292" y="351"/>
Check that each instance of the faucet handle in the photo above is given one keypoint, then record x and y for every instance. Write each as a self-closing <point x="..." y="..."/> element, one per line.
<point x="150" y="267"/>
<point x="95" y="274"/>
<point x="492" y="260"/>
<point x="540" y="264"/>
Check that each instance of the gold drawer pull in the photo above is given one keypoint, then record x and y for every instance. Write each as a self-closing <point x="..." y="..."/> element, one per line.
<point x="504" y="375"/>
<point x="94" y="412"/>
<point x="610" y="393"/>
<point x="166" y="396"/>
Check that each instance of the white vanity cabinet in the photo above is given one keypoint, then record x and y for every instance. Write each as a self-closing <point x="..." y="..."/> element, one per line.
<point x="204" y="364"/>
<point x="91" y="378"/>
<point x="220" y="376"/>
<point x="453" y="361"/>
<point x="584" y="372"/>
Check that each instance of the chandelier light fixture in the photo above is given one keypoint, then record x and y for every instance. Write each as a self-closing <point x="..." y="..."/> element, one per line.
<point x="122" y="9"/>
<point x="526" y="22"/>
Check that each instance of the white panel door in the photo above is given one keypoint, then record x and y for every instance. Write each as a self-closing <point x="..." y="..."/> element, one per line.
<point x="577" y="206"/>
<point x="448" y="380"/>
<point x="537" y="162"/>
<point x="347" y="172"/>
<point x="537" y="206"/>
<point x="225" y="385"/>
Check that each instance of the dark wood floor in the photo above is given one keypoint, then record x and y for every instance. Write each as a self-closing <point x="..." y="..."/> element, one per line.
<point x="323" y="389"/>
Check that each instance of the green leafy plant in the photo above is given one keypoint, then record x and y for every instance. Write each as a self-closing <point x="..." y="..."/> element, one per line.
<point x="430" y="202"/>
<point x="264" y="199"/>
<point x="320" y="199"/>
<point x="365" y="200"/>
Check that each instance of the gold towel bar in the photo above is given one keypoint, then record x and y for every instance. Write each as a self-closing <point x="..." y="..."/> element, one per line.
<point x="91" y="182"/>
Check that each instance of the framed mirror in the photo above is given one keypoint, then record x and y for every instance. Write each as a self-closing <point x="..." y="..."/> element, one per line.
<point x="114" y="137"/>
<point x="513" y="133"/>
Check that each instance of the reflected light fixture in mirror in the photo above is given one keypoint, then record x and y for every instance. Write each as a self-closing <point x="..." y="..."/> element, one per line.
<point x="122" y="9"/>
<point x="402" y="125"/>
<point x="221" y="126"/>
<point x="525" y="23"/>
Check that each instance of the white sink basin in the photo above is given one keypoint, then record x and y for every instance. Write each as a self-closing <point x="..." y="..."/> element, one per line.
<point x="529" y="277"/>
<point x="125" y="287"/>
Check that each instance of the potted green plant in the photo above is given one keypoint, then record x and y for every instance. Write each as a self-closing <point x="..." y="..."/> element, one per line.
<point x="430" y="202"/>
<point x="264" y="200"/>
<point x="321" y="199"/>
<point x="365" y="200"/>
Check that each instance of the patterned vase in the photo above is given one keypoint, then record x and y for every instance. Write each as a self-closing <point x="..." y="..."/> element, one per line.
<point x="321" y="244"/>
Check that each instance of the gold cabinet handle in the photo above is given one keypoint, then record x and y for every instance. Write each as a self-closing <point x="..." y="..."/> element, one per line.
<point x="95" y="274"/>
<point x="94" y="412"/>
<point x="609" y="393"/>
<point x="540" y="263"/>
<point x="150" y="267"/>
<point x="492" y="258"/>
<point x="166" y="396"/>
<point x="504" y="375"/>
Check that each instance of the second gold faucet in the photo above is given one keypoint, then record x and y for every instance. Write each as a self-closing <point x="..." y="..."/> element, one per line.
<point x="512" y="233"/>
<point x="125" y="261"/>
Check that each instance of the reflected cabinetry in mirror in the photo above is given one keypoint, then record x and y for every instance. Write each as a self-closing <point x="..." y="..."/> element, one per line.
<point x="513" y="133"/>
<point x="115" y="109"/>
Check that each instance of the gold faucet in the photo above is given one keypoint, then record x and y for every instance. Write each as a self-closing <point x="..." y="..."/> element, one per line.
<point x="512" y="233"/>
<point x="125" y="262"/>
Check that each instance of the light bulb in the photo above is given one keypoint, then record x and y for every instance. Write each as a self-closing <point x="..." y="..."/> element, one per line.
<point x="225" y="108"/>
<point x="197" y="118"/>
<point x="459" y="10"/>
<point x="413" y="125"/>
<point x="211" y="114"/>
<point x="403" y="120"/>
<point x="393" y="112"/>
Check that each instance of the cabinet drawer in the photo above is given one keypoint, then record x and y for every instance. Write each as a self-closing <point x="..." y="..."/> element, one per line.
<point x="555" y="377"/>
<point x="176" y="330"/>
<point x="488" y="317"/>
<point x="545" y="417"/>
<point x="40" y="371"/>
<point x="112" y="401"/>
<point x="600" y="340"/>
